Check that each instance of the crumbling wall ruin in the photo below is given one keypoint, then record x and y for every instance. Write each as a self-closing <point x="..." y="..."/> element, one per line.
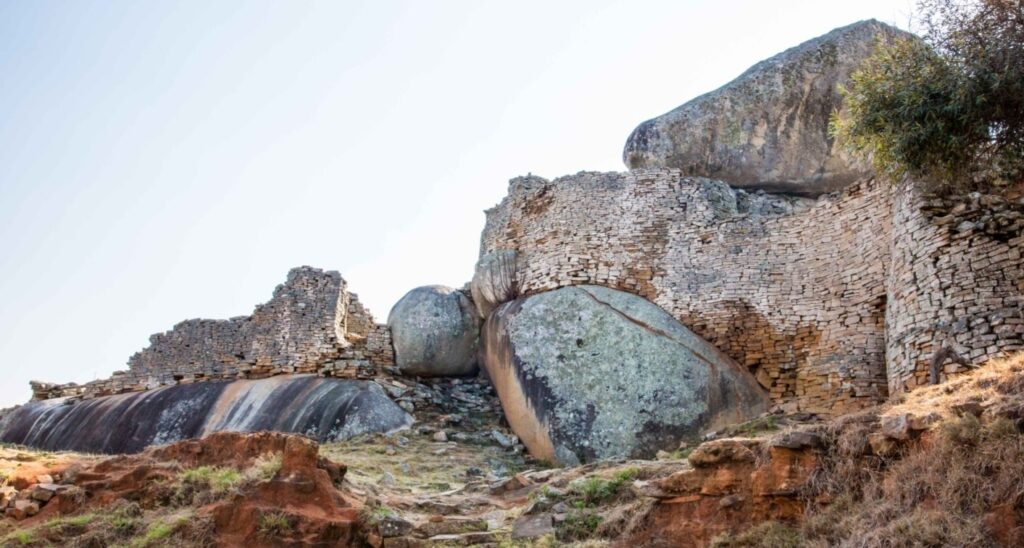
<point x="795" y="289"/>
<point x="312" y="324"/>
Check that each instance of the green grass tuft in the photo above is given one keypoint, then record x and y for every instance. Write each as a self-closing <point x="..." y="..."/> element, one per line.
<point x="23" y="537"/>
<point x="274" y="525"/>
<point x="594" y="490"/>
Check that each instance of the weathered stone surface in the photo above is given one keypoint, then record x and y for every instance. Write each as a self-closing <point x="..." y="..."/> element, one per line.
<point x="768" y="128"/>
<point x="43" y="492"/>
<point x="326" y="409"/>
<point x="311" y="325"/>
<point x="435" y="331"/>
<point x="22" y="509"/>
<point x="587" y="372"/>
<point x="394" y="526"/>
<point x="724" y="450"/>
<point x="494" y="281"/>
<point x="532" y="526"/>
<point x="728" y="492"/>
<point x="835" y="303"/>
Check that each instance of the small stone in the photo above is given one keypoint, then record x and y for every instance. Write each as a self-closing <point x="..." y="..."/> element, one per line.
<point x="440" y="436"/>
<point x="725" y="450"/>
<point x="968" y="408"/>
<point x="22" y="509"/>
<point x="533" y="526"/>
<point x="730" y="501"/>
<point x="896" y="427"/>
<point x="407" y="406"/>
<point x="395" y="391"/>
<point x="451" y="526"/>
<point x="923" y="422"/>
<point x="509" y="484"/>
<point x="882" y="445"/>
<point x="394" y="526"/>
<point x="387" y="479"/>
<point x="505" y="441"/>
<point x="797" y="440"/>
<point x="43" y="492"/>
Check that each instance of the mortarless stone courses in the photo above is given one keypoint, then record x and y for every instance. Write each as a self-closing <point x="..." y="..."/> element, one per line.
<point x="795" y="289"/>
<point x="833" y="303"/>
<point x="311" y="325"/>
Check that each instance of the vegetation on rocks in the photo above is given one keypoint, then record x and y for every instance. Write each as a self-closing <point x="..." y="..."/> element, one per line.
<point x="956" y="483"/>
<point x="948" y="109"/>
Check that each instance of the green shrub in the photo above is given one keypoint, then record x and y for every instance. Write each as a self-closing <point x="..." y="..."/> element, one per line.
<point x="949" y="108"/>
<point x="594" y="490"/>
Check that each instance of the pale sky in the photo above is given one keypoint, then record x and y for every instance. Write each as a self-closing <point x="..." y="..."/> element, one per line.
<point x="170" y="160"/>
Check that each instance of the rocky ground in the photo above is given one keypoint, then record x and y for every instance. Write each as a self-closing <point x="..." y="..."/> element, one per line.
<point x="941" y="466"/>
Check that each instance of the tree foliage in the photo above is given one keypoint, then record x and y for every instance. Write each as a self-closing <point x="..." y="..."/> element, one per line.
<point x="948" y="107"/>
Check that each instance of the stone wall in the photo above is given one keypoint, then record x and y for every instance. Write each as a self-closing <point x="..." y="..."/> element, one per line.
<point x="957" y="280"/>
<point x="312" y="324"/>
<point x="795" y="289"/>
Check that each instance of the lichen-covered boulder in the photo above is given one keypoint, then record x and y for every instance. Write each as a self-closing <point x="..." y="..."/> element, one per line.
<point x="494" y="280"/>
<point x="587" y="373"/>
<point x="435" y="331"/>
<point x="768" y="128"/>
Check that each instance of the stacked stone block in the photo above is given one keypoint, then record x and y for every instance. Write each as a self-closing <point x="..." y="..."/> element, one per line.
<point x="795" y="289"/>
<point x="311" y="325"/>
<point x="957" y="280"/>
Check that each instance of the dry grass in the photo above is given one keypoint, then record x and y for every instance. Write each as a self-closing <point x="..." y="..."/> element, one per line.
<point x="770" y="534"/>
<point x="934" y="493"/>
<point x="999" y="382"/>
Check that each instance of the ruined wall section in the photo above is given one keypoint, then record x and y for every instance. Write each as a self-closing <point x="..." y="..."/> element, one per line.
<point x="303" y="324"/>
<point x="792" y="288"/>
<point x="957" y="280"/>
<point x="312" y="324"/>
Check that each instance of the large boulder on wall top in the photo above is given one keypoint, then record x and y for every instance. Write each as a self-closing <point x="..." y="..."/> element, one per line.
<point x="435" y="331"/>
<point x="586" y="373"/>
<point x="768" y="128"/>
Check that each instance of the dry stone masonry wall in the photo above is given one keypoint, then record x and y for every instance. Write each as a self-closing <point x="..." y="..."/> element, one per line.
<point x="957" y="281"/>
<point x="795" y="289"/>
<point x="311" y="325"/>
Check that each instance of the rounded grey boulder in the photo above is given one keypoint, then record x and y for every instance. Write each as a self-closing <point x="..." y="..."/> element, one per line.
<point x="768" y="128"/>
<point x="435" y="331"/>
<point x="586" y="373"/>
